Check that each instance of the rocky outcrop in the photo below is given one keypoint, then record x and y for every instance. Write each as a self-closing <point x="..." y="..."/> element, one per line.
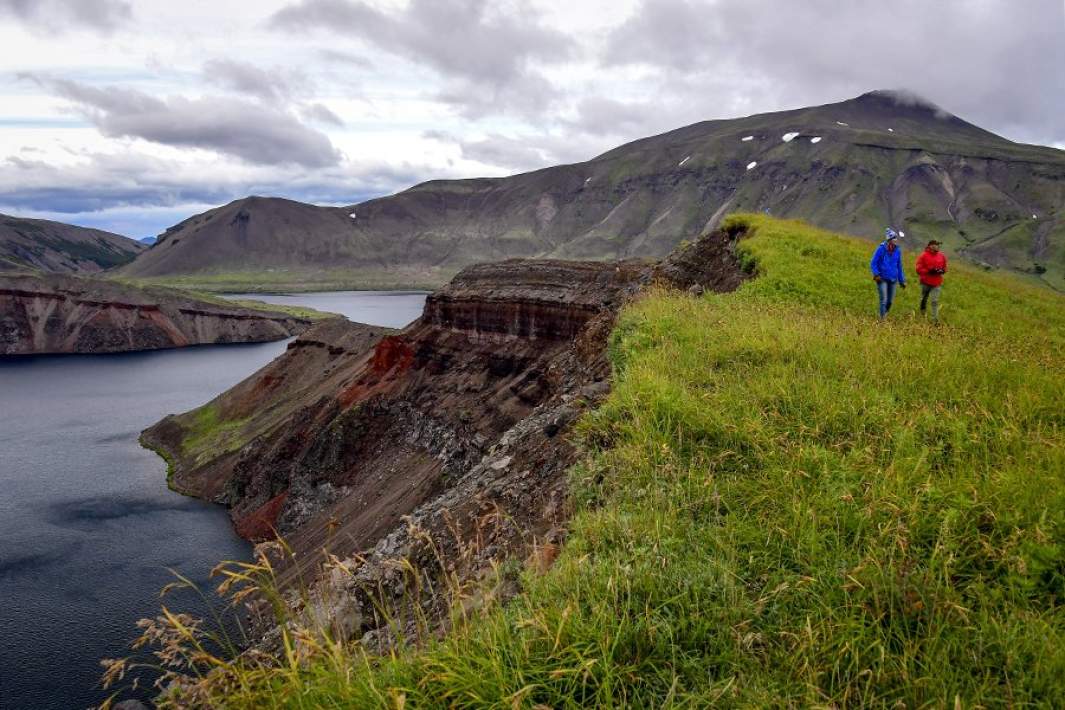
<point x="356" y="434"/>
<point x="65" y="314"/>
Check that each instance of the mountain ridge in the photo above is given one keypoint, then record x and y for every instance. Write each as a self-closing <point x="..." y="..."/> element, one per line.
<point x="854" y="166"/>
<point x="44" y="245"/>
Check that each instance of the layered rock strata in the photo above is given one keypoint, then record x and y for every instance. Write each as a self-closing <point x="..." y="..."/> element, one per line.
<point x="372" y="445"/>
<point x="65" y="314"/>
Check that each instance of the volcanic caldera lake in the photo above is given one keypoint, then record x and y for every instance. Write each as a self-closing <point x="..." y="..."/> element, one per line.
<point x="88" y="528"/>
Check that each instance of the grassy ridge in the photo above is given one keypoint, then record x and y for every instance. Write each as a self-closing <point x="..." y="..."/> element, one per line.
<point x="296" y="281"/>
<point x="784" y="503"/>
<point x="294" y="311"/>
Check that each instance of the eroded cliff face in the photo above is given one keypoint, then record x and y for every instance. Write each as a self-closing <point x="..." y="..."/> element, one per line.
<point x="357" y="436"/>
<point x="64" y="314"/>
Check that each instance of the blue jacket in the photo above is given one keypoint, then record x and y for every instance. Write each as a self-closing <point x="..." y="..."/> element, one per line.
<point x="888" y="265"/>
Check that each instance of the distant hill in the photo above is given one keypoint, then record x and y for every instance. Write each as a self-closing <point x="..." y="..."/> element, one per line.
<point x="42" y="245"/>
<point x="148" y="240"/>
<point x="856" y="166"/>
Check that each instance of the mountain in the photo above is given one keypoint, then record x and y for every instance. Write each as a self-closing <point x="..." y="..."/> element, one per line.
<point x="857" y="166"/>
<point x="271" y="242"/>
<point x="148" y="240"/>
<point x="42" y="245"/>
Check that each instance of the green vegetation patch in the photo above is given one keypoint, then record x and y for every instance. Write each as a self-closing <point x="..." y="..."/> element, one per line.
<point x="292" y="281"/>
<point x="164" y="454"/>
<point x="209" y="297"/>
<point x="95" y="250"/>
<point x="294" y="311"/>
<point x="784" y="504"/>
<point x="209" y="435"/>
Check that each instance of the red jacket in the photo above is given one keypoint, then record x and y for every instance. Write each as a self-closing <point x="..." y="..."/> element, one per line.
<point x="928" y="261"/>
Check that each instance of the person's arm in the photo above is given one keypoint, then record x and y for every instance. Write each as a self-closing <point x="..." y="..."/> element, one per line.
<point x="902" y="271"/>
<point x="944" y="269"/>
<point x="874" y="263"/>
<point x="922" y="266"/>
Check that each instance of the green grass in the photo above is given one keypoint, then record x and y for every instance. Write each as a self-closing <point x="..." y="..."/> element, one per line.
<point x="294" y="311"/>
<point x="209" y="435"/>
<point x="295" y="281"/>
<point x="211" y="297"/>
<point x="783" y="504"/>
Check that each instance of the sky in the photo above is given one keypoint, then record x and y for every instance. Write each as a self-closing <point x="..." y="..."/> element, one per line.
<point x="133" y="115"/>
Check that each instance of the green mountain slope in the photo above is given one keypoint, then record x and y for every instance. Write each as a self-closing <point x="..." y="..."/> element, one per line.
<point x="854" y="166"/>
<point x="42" y="245"/>
<point x="784" y="503"/>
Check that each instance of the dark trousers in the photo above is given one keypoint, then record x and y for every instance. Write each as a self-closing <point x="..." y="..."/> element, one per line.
<point x="933" y="291"/>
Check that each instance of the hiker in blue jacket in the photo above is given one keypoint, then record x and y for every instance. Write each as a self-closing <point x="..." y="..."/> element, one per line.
<point x="886" y="266"/>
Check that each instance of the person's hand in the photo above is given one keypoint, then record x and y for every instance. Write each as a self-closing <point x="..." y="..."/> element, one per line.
<point x="877" y="278"/>
<point x="902" y="285"/>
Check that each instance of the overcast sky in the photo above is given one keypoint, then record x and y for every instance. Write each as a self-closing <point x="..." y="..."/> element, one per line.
<point x="132" y="116"/>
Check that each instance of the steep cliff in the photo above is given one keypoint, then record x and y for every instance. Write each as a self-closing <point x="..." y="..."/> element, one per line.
<point x="461" y="415"/>
<point x="66" y="314"/>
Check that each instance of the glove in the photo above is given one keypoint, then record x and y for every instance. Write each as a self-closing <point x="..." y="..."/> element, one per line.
<point x="902" y="285"/>
<point x="877" y="278"/>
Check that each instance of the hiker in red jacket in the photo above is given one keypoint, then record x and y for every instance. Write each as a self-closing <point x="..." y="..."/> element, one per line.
<point x="931" y="265"/>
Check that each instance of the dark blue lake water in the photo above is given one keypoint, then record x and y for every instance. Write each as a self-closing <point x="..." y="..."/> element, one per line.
<point x="88" y="527"/>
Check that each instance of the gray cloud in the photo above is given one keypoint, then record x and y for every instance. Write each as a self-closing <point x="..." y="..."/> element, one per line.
<point x="57" y="15"/>
<point x="253" y="132"/>
<point x="986" y="61"/>
<point x="276" y="85"/>
<point x="320" y="113"/>
<point x="498" y="150"/>
<point x="489" y="61"/>
<point x="529" y="151"/>
<point x="530" y="96"/>
<point x="596" y="114"/>
<point x="108" y="190"/>
<point x="339" y="57"/>
<point x="100" y="181"/>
